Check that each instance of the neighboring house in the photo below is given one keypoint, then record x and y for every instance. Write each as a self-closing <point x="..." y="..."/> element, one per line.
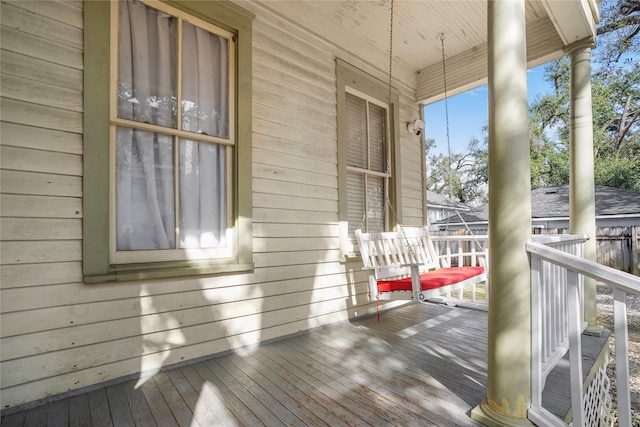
<point x="550" y="209"/>
<point x="440" y="207"/>
<point x="183" y="178"/>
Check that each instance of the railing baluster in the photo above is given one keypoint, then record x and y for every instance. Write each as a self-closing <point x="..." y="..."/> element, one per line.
<point x="537" y="348"/>
<point x="622" y="357"/>
<point x="575" y="348"/>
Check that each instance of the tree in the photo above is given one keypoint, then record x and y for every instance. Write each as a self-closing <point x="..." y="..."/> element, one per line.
<point x="616" y="107"/>
<point x="616" y="116"/>
<point x="462" y="177"/>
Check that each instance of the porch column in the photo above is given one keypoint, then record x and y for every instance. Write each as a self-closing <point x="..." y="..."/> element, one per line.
<point x="509" y="327"/>
<point x="582" y="211"/>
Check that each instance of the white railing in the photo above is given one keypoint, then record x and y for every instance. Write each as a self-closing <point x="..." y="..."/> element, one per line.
<point x="549" y="301"/>
<point x="465" y="250"/>
<point x="545" y="262"/>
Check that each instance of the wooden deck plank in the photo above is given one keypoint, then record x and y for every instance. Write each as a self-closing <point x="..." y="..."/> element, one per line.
<point x="189" y="395"/>
<point x="229" y="386"/>
<point x="14" y="420"/>
<point x="79" y="411"/>
<point x="119" y="405"/>
<point x="175" y="402"/>
<point x="384" y="382"/>
<point x="213" y="406"/>
<point x="252" y="370"/>
<point x="267" y="399"/>
<point x="278" y="378"/>
<point x="159" y="408"/>
<point x="344" y="380"/>
<point x="313" y="374"/>
<point x="99" y="407"/>
<point x="397" y="362"/>
<point x="328" y="401"/>
<point x="140" y="410"/>
<point x="37" y="416"/>
<point x="464" y="361"/>
<point x="309" y="389"/>
<point x="58" y="413"/>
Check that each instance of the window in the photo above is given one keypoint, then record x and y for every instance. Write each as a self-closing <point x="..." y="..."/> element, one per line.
<point x="170" y="109"/>
<point x="366" y="155"/>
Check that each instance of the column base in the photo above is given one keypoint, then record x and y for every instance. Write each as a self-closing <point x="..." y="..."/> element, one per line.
<point x="485" y="414"/>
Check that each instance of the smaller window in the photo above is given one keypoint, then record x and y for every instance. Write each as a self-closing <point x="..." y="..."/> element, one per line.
<point x="367" y="129"/>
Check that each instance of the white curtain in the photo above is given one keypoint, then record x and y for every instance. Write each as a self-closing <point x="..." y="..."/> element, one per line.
<point x="145" y="186"/>
<point x="205" y="110"/>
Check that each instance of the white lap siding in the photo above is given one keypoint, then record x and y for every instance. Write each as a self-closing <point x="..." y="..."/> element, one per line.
<point x="59" y="334"/>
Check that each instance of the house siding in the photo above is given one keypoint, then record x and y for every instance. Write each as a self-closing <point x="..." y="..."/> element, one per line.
<point x="59" y="334"/>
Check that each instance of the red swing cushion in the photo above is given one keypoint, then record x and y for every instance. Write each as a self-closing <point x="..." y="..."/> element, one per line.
<point x="432" y="279"/>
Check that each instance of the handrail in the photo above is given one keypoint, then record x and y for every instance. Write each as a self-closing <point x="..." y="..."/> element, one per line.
<point x="615" y="278"/>
<point x="577" y="267"/>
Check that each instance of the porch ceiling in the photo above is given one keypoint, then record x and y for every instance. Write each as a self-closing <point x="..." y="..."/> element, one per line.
<point x="362" y="28"/>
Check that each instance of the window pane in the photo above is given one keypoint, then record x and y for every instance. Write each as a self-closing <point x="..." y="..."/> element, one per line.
<point x="356" y="131"/>
<point x="205" y="82"/>
<point x="203" y="195"/>
<point x="377" y="138"/>
<point x="147" y="65"/>
<point x="375" y="204"/>
<point x="355" y="196"/>
<point x="144" y="191"/>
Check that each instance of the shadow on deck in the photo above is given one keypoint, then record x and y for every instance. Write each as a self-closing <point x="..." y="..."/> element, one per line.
<point x="420" y="365"/>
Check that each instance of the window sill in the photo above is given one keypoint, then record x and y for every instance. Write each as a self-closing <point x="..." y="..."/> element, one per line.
<point x="125" y="273"/>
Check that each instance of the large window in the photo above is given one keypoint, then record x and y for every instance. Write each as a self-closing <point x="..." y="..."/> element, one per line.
<point x="367" y="155"/>
<point x="177" y="141"/>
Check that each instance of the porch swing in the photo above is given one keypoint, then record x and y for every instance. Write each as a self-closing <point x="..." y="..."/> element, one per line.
<point x="403" y="264"/>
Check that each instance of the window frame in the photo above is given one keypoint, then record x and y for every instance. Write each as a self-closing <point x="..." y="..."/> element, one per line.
<point x="355" y="81"/>
<point x="98" y="220"/>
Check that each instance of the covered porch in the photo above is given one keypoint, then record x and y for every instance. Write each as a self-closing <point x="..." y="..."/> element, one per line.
<point x="422" y="364"/>
<point x="426" y="365"/>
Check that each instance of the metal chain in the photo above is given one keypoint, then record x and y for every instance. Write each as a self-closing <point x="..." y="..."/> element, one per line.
<point x="446" y="110"/>
<point x="388" y="123"/>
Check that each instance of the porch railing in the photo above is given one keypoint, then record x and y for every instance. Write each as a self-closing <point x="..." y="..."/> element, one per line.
<point x="465" y="250"/>
<point x="557" y="272"/>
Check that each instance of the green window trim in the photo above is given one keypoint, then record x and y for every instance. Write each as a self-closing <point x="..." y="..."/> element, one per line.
<point x="97" y="266"/>
<point x="348" y="76"/>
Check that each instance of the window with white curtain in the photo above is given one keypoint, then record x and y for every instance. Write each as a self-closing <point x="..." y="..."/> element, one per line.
<point x="167" y="139"/>
<point x="367" y="155"/>
<point x="173" y="136"/>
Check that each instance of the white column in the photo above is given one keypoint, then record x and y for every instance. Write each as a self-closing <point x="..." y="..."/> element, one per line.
<point x="582" y="211"/>
<point x="509" y="331"/>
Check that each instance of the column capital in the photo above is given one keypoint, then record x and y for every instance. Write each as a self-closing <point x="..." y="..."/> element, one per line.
<point x="581" y="46"/>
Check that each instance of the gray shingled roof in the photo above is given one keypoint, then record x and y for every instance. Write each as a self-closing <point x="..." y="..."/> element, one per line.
<point x="438" y="200"/>
<point x="553" y="202"/>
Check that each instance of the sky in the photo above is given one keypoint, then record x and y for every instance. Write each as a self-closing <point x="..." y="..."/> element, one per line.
<point x="468" y="114"/>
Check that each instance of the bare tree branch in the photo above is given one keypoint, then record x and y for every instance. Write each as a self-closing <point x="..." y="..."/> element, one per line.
<point x="616" y="25"/>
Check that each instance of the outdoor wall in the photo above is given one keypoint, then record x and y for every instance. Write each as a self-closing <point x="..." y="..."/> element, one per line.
<point x="59" y="334"/>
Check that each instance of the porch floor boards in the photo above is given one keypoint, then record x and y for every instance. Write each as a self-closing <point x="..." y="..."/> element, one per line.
<point x="420" y="365"/>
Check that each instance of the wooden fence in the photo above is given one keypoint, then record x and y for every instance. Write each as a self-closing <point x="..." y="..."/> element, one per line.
<point x="617" y="247"/>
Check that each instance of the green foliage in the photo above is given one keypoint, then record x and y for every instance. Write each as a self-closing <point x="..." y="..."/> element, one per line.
<point x="462" y="177"/>
<point x="619" y="172"/>
<point x="615" y="83"/>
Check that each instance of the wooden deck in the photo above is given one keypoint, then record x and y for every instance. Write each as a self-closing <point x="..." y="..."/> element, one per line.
<point x="420" y="365"/>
